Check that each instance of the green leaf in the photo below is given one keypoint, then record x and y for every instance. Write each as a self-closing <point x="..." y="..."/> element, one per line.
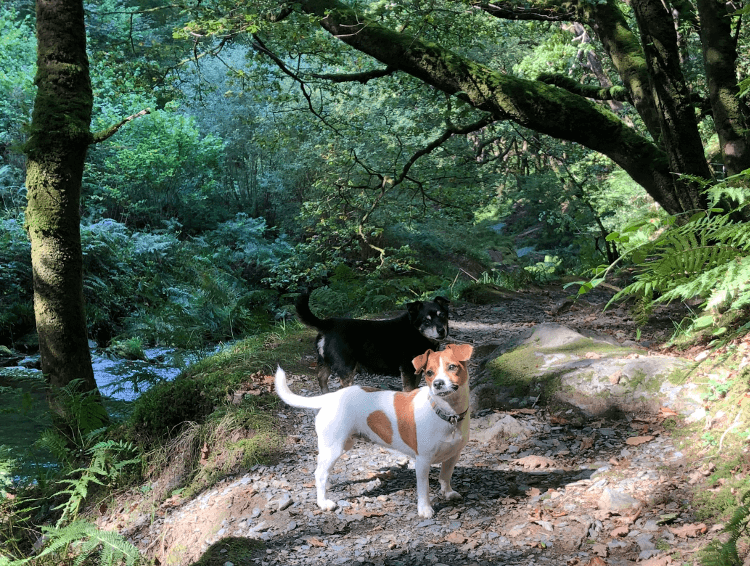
<point x="703" y="321"/>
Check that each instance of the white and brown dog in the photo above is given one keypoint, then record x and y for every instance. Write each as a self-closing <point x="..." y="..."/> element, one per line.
<point x="431" y="423"/>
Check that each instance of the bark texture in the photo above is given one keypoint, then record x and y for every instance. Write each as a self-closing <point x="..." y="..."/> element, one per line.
<point x="730" y="112"/>
<point x="56" y="151"/>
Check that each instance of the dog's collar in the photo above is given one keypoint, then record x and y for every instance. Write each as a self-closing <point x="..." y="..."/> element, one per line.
<point x="452" y="418"/>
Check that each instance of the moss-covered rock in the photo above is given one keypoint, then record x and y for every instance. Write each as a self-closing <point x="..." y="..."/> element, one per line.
<point x="556" y="365"/>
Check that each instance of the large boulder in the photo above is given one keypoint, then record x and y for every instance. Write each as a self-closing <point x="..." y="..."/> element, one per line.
<point x="554" y="364"/>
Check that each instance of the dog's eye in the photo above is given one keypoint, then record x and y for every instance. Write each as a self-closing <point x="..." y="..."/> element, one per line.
<point x="429" y="373"/>
<point x="452" y="367"/>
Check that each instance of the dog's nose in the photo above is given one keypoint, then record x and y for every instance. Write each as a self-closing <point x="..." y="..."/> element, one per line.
<point x="439" y="384"/>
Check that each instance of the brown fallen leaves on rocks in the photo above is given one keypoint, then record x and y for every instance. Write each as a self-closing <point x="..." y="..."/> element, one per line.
<point x="637" y="440"/>
<point x="533" y="462"/>
<point x="689" y="531"/>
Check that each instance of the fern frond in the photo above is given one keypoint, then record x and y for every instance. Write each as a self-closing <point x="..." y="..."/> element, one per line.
<point x="87" y="540"/>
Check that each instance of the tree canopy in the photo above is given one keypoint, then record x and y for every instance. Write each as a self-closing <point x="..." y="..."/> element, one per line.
<point x="655" y="84"/>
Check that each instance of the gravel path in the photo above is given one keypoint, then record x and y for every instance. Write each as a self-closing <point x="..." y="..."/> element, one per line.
<point x="563" y="489"/>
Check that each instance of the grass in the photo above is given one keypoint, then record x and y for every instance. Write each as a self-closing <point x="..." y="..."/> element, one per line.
<point x="217" y="418"/>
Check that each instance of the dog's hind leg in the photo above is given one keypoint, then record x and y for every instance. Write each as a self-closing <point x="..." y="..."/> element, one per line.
<point x="328" y="454"/>
<point x="324" y="372"/>
<point x="347" y="378"/>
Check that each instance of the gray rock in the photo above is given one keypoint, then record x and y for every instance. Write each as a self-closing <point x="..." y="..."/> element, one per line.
<point x="613" y="500"/>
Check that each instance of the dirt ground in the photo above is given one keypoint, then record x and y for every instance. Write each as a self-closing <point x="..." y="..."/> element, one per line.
<point x="564" y="488"/>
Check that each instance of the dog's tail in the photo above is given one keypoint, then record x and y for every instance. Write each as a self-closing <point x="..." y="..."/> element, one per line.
<point x="306" y="316"/>
<point x="290" y="398"/>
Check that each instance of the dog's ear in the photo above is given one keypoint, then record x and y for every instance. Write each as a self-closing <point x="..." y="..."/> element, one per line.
<point x="442" y="301"/>
<point x="420" y="361"/>
<point x="413" y="309"/>
<point x="461" y="351"/>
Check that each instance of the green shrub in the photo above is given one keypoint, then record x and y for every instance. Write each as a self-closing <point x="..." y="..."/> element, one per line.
<point x="163" y="409"/>
<point x="16" y="299"/>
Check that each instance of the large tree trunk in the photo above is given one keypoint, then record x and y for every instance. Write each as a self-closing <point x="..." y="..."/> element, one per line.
<point x="731" y="113"/>
<point x="56" y="150"/>
<point x="679" y="129"/>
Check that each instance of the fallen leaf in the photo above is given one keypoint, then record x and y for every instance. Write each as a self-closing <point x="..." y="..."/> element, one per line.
<point x="554" y="419"/>
<point x="205" y="451"/>
<point x="636" y="440"/>
<point x="532" y="462"/>
<point x="533" y="492"/>
<point x="614" y="379"/>
<point x="689" y="531"/>
<point x="364" y="513"/>
<point x="592" y="356"/>
<point x="619" y="532"/>
<point x="601" y="550"/>
<point x="471" y="545"/>
<point x="665" y="412"/>
<point x="665" y="560"/>
<point x="456" y="538"/>
<point x="312" y="541"/>
<point x="586" y="443"/>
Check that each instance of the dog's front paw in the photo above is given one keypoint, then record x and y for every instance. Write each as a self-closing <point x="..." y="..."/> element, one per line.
<point x="452" y="495"/>
<point x="326" y="504"/>
<point x="425" y="511"/>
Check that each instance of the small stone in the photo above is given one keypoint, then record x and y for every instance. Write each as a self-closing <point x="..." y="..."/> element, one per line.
<point x="613" y="500"/>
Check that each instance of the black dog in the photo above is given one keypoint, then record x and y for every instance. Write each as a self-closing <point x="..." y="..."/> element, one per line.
<point x="379" y="346"/>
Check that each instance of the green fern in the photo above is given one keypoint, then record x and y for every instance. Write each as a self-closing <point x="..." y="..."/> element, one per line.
<point x="106" y="466"/>
<point x="726" y="554"/>
<point x="708" y="257"/>
<point x="86" y="540"/>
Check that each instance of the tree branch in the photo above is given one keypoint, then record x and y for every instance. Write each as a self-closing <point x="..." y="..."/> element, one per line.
<point x="618" y="93"/>
<point x="362" y="77"/>
<point x="532" y="104"/>
<point x="109" y="132"/>
<point x="260" y="46"/>
<point x="544" y="11"/>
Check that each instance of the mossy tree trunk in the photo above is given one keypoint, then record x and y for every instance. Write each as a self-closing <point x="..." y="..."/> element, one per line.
<point x="56" y="150"/>
<point x="665" y="160"/>
<point x="731" y="113"/>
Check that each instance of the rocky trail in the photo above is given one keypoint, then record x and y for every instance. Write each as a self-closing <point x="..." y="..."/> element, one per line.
<point x="538" y="486"/>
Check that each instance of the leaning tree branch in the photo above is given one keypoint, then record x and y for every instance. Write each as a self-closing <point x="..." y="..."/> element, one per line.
<point x="109" y="132"/>
<point x="362" y="77"/>
<point x="450" y="131"/>
<point x="618" y="93"/>
<point x="543" y="11"/>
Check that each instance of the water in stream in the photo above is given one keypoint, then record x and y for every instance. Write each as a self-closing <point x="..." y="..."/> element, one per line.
<point x="23" y="408"/>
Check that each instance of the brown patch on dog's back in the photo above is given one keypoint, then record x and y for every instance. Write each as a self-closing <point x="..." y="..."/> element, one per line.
<point x="370" y="389"/>
<point x="403" y="403"/>
<point x="380" y="424"/>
